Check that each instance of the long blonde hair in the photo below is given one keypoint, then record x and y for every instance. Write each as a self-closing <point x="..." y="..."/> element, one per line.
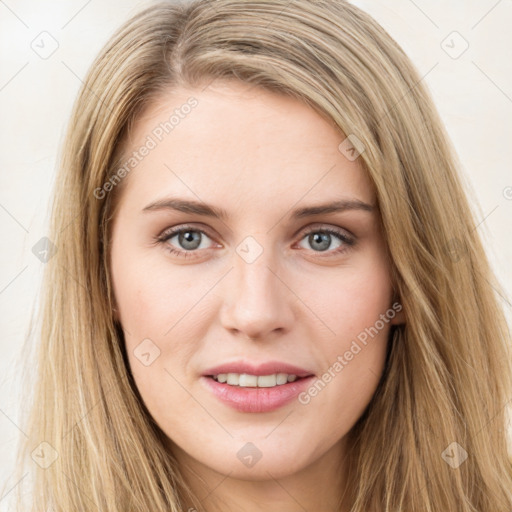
<point x="447" y="378"/>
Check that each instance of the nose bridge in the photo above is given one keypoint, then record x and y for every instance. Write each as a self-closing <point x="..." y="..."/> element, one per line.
<point x="255" y="282"/>
<point x="256" y="301"/>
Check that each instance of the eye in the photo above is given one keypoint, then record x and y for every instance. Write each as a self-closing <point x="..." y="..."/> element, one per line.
<point x="187" y="240"/>
<point x="322" y="239"/>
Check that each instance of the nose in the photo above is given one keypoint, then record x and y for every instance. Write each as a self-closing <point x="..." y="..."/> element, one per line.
<point x="258" y="303"/>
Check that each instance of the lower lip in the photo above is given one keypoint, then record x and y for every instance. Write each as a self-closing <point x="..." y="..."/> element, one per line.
<point x="256" y="399"/>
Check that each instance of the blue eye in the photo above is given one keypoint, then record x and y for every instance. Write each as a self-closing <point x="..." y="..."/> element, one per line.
<point x="189" y="240"/>
<point x="320" y="239"/>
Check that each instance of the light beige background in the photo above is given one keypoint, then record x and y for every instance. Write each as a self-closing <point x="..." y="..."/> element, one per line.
<point x="473" y="93"/>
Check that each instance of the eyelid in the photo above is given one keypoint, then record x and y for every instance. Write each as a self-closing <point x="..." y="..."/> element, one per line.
<point x="170" y="232"/>
<point x="322" y="226"/>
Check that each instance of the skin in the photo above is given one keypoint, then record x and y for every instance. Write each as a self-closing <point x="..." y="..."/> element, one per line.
<point x="259" y="156"/>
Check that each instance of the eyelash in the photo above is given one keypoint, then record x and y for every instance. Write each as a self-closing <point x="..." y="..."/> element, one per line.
<point x="348" y="242"/>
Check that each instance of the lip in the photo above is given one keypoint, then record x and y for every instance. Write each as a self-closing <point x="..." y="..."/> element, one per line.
<point x="267" y="368"/>
<point x="256" y="400"/>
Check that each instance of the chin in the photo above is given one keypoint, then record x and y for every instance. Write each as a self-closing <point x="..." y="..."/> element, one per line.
<point x="266" y="468"/>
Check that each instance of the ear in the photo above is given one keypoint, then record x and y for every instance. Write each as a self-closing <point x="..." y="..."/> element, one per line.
<point x="398" y="308"/>
<point x="399" y="318"/>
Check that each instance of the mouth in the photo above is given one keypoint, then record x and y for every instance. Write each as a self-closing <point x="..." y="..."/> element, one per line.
<point x="249" y="393"/>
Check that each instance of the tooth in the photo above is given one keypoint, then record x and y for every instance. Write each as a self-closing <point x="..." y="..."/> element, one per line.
<point x="233" y="379"/>
<point x="266" y="381"/>
<point x="248" y="380"/>
<point x="281" y="378"/>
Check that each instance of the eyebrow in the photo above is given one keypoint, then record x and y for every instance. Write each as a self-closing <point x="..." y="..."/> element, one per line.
<point x="207" y="210"/>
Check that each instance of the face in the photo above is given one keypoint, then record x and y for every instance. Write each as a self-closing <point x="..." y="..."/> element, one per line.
<point x="224" y="253"/>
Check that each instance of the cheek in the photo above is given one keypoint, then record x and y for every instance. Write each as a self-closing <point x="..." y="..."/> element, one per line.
<point x="352" y="300"/>
<point x="160" y="336"/>
<point x="357" y="310"/>
<point x="150" y="299"/>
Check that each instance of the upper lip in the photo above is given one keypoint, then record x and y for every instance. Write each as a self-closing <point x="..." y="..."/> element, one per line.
<point x="266" y="368"/>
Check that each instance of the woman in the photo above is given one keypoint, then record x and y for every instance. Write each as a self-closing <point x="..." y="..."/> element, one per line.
<point x="268" y="292"/>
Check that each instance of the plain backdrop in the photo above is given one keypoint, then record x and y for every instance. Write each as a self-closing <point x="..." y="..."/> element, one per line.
<point x="460" y="48"/>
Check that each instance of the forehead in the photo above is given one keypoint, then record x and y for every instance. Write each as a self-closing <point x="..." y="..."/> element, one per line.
<point x="240" y="143"/>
